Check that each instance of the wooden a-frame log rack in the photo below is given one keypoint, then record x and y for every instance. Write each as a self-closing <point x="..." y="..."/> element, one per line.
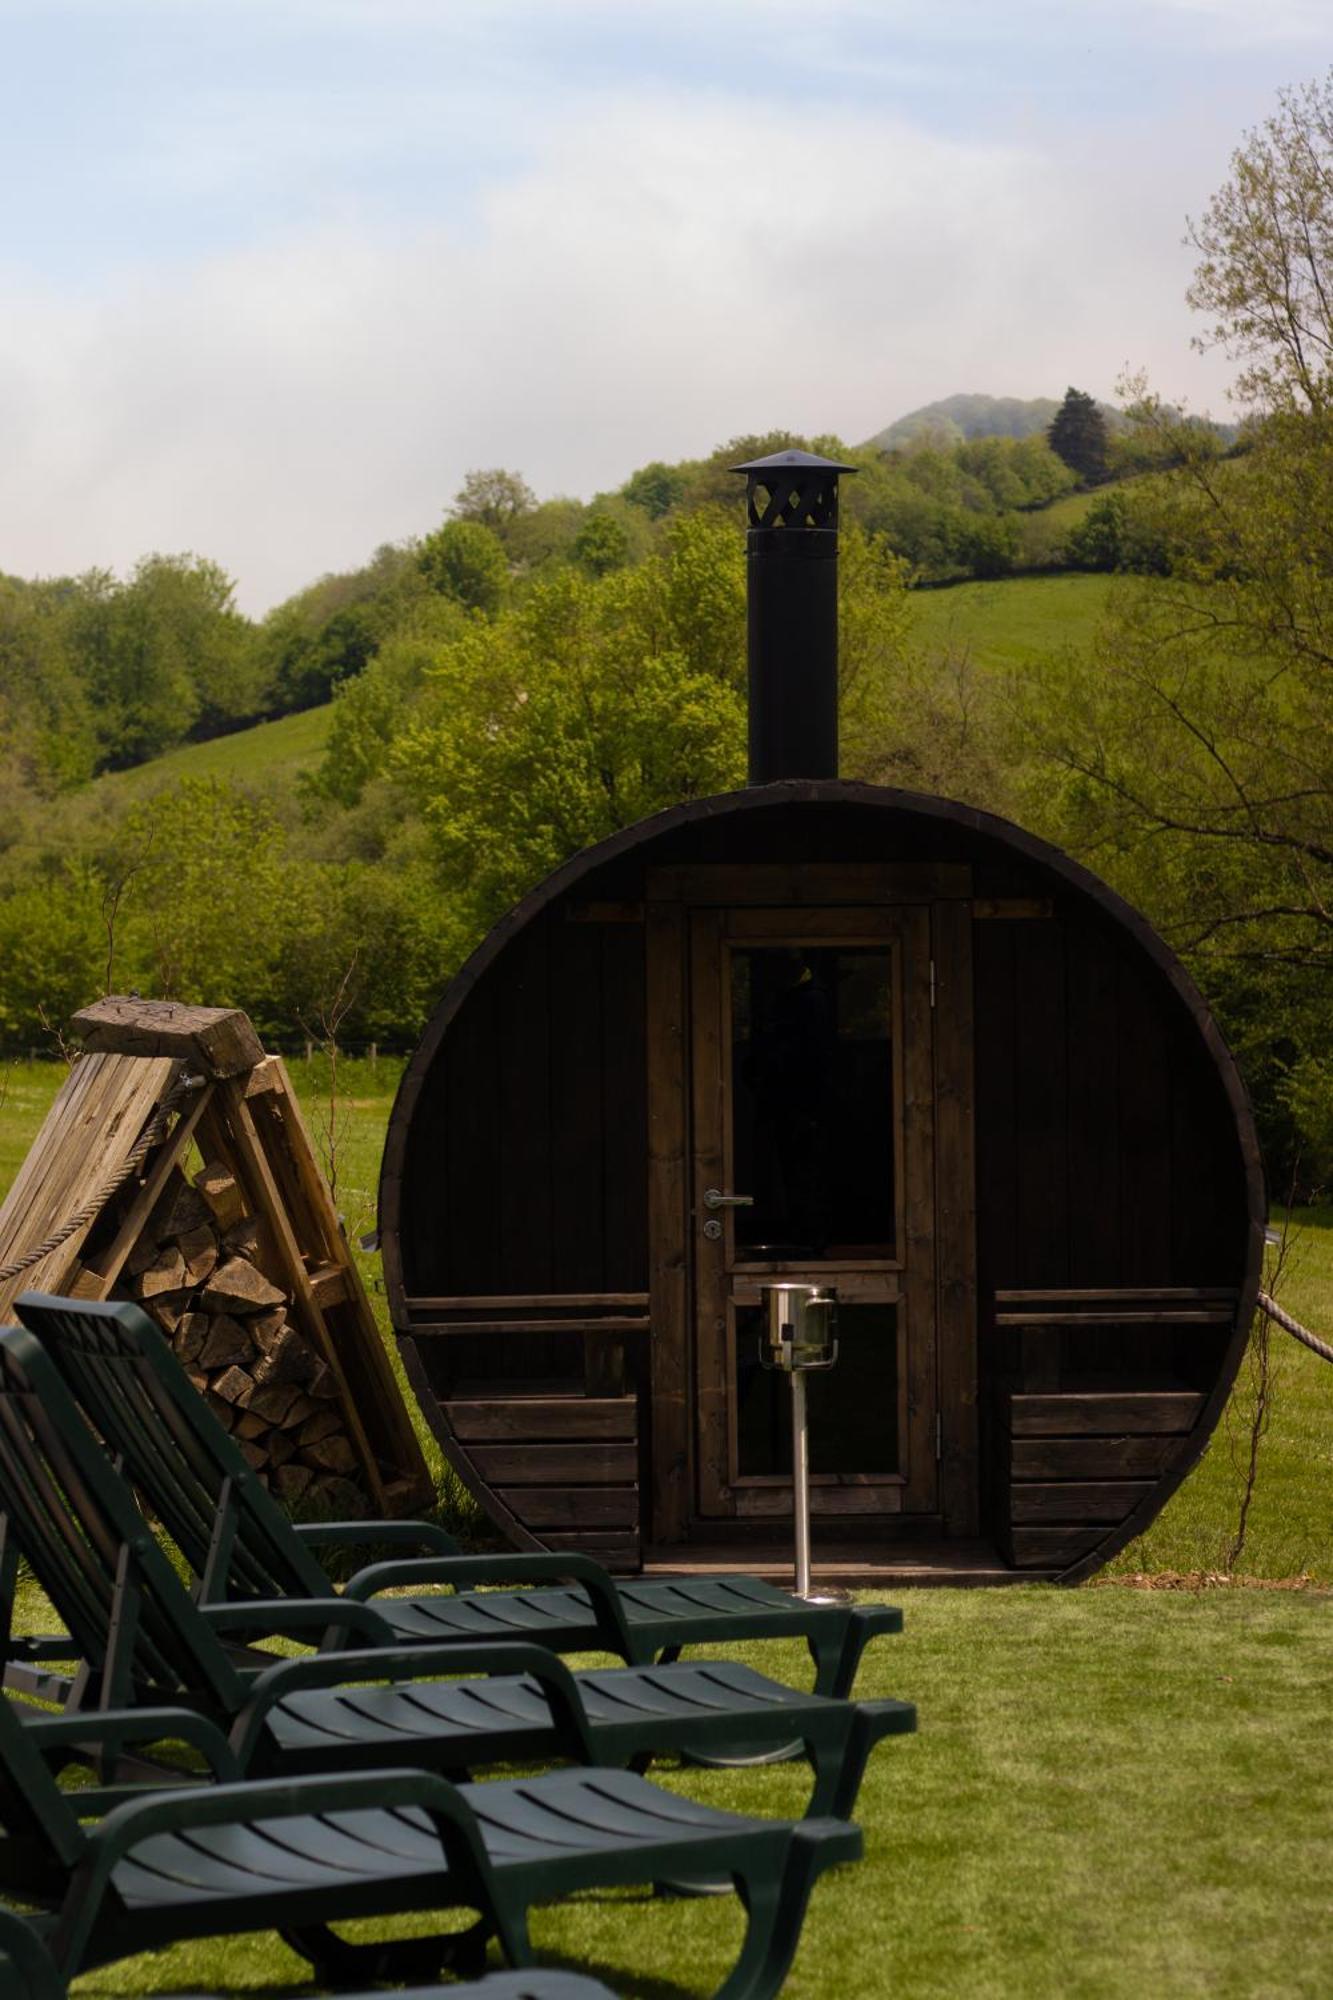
<point x="237" y="1106"/>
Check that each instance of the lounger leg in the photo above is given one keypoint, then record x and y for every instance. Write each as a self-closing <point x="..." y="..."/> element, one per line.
<point x="826" y="1650"/>
<point x="775" y="1908"/>
<point x="341" y="1963"/>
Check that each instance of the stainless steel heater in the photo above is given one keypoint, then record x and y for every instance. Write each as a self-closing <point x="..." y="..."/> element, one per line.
<point x="800" y="1334"/>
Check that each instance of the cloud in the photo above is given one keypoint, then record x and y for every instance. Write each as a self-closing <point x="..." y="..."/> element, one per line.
<point x="667" y="272"/>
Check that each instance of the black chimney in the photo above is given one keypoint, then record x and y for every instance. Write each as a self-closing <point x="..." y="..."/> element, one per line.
<point x="792" y="566"/>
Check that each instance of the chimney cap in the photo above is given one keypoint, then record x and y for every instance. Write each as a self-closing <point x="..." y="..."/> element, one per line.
<point x="794" y="461"/>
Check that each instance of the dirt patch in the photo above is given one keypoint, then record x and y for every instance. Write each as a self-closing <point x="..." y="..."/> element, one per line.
<point x="1201" y="1579"/>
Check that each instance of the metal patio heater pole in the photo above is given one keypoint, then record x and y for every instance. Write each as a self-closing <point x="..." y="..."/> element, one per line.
<point x="799" y="1336"/>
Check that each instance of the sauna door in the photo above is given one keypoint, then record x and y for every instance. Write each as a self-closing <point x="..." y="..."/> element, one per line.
<point x="811" y="1067"/>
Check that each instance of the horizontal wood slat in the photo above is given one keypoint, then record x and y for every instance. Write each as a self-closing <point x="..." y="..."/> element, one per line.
<point x="1168" y="1316"/>
<point x="585" y="1464"/>
<point x="1090" y="1457"/>
<point x="538" y="1419"/>
<point x="440" y="1329"/>
<point x="572" y="1506"/>
<point x="1104" y="1413"/>
<point x="617" y="1551"/>
<point x="1171" y="1294"/>
<point x="1051" y="1548"/>
<point x="768" y="1502"/>
<point x="515" y="1302"/>
<point x="1088" y="1500"/>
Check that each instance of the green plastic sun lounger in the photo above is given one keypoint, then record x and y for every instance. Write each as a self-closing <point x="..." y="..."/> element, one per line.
<point x="245" y="1551"/>
<point x="27" y="1972"/>
<point x="64" y="1507"/>
<point x="298" y="1856"/>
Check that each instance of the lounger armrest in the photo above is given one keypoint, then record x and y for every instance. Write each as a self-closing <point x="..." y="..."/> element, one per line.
<point x="387" y="1534"/>
<point x="511" y="1657"/>
<point x="465" y="1571"/>
<point x="295" y="1616"/>
<point x="115" y="1728"/>
<point x="183" y="1810"/>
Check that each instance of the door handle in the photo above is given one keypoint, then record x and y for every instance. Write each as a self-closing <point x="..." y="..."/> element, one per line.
<point x="714" y="1198"/>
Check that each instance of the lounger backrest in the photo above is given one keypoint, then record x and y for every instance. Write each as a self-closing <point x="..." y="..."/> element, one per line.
<point x="135" y="1393"/>
<point x="65" y="1508"/>
<point x="41" y="1838"/>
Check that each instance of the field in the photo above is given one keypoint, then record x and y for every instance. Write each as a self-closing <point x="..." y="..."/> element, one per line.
<point x="1011" y="623"/>
<point x="271" y="749"/>
<point x="1116" y="1791"/>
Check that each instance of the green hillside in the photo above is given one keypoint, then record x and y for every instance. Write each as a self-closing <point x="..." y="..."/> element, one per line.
<point x="1011" y="622"/>
<point x="268" y="750"/>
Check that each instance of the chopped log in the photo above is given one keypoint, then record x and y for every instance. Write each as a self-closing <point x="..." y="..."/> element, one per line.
<point x="331" y="1454"/>
<point x="280" y="1447"/>
<point x="166" y="1273"/>
<point x="167" y="1312"/>
<point x="235" y="1385"/>
<point x="323" y="1424"/>
<point x="220" y="1190"/>
<point x="221" y="1410"/>
<point x="254" y="1454"/>
<point x="198" y="1381"/>
<point x="272" y="1402"/>
<point x="248" y="1425"/>
<point x="191" y="1333"/>
<point x="265" y="1328"/>
<point x="245" y="1239"/>
<point x="219" y="1039"/>
<point x="300" y="1407"/>
<point x="324" y="1384"/>
<point x="199" y="1248"/>
<point x="141" y="1256"/>
<point x="237" y="1287"/>
<point x="290" y="1483"/>
<point x="339" y="1499"/>
<point x="289" y="1360"/>
<point x="227" y="1341"/>
<point x="180" y="1210"/>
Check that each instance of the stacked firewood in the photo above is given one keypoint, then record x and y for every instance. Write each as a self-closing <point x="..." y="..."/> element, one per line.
<point x="200" y="1269"/>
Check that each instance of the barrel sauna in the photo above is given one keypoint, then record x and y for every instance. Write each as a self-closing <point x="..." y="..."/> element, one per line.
<point x="854" y="1036"/>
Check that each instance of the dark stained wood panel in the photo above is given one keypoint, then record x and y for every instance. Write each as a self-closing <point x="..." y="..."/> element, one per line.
<point x="583" y="1464"/>
<point x="1132" y="1411"/>
<point x="956" y="1218"/>
<point x="535" y="1419"/>
<point x="1122" y="1457"/>
<point x="1107" y="1500"/>
<point x="575" y="1162"/>
<point x="573" y="1506"/>
<point x="1051" y="1548"/>
<point x="624" y="1113"/>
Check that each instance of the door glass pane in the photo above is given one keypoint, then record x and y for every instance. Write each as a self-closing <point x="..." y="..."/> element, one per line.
<point x="812" y="1106"/>
<point x="851" y="1408"/>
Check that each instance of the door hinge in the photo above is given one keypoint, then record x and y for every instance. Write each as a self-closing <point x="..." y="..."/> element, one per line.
<point x="939" y="1435"/>
<point x="932" y="982"/>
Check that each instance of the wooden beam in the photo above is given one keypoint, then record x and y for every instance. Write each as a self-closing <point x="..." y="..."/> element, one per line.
<point x="529" y="1419"/>
<point x="220" y="1039"/>
<point x="1138" y="1411"/>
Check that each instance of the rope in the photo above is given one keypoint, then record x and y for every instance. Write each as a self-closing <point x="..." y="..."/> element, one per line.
<point x="154" y="1132"/>
<point x="1293" y="1326"/>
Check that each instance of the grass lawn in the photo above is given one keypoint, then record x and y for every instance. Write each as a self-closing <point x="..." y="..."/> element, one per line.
<point x="1013" y="622"/>
<point x="1115" y="1791"/>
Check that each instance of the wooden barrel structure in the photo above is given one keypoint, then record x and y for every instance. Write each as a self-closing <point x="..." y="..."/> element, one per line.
<point x="844" y="1035"/>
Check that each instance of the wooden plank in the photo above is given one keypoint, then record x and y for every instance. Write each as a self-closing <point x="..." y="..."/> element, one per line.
<point x="1051" y="1548"/>
<point x="1213" y="1316"/>
<point x="667" y="1220"/>
<point x="1138" y="1411"/>
<point x="606" y="1324"/>
<point x="93" y="1126"/>
<point x="1011" y="908"/>
<point x="955" y="1218"/>
<point x="521" y="1301"/>
<point x="916" y="1081"/>
<point x="620" y="1552"/>
<point x="604" y="913"/>
<point x="455" y="1200"/>
<point x="533" y="1418"/>
<point x="624" y="1112"/>
<point x="1108" y="1500"/>
<point x="582" y="1464"/>
<point x="775" y="1502"/>
<point x="1122" y="1457"/>
<point x="1170" y="1293"/>
<point x="523" y="1110"/>
<point x="1091" y="989"/>
<point x="1042" y="1162"/>
<point x="99" y="1275"/>
<point x="819" y="882"/>
<point x="220" y="1039"/>
<point x="572" y="1506"/>
<point x="1145" y="1132"/>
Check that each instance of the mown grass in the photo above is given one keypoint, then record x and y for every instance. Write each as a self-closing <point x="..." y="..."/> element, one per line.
<point x="1015" y="622"/>
<point x="267" y="750"/>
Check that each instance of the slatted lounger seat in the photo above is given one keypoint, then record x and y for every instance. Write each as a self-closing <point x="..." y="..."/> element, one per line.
<point x="244" y="1549"/>
<point x="65" y="1508"/>
<point x="298" y="1855"/>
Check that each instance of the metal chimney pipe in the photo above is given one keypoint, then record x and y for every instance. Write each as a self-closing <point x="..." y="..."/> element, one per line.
<point x="792" y="619"/>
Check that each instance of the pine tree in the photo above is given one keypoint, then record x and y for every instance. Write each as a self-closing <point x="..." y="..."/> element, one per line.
<point x="1077" y="434"/>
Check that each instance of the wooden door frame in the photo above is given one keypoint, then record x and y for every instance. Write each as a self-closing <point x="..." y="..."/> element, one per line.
<point x="946" y="889"/>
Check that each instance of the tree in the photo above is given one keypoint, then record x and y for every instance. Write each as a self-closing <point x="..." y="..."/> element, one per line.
<point x="1077" y="434"/>
<point x="1266" y="247"/>
<point x="494" y="497"/>
<point x="466" y="561"/>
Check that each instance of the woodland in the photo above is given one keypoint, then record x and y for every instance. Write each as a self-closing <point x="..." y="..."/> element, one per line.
<point x="530" y="674"/>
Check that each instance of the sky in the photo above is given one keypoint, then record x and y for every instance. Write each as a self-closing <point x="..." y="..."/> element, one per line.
<point x="274" y="274"/>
